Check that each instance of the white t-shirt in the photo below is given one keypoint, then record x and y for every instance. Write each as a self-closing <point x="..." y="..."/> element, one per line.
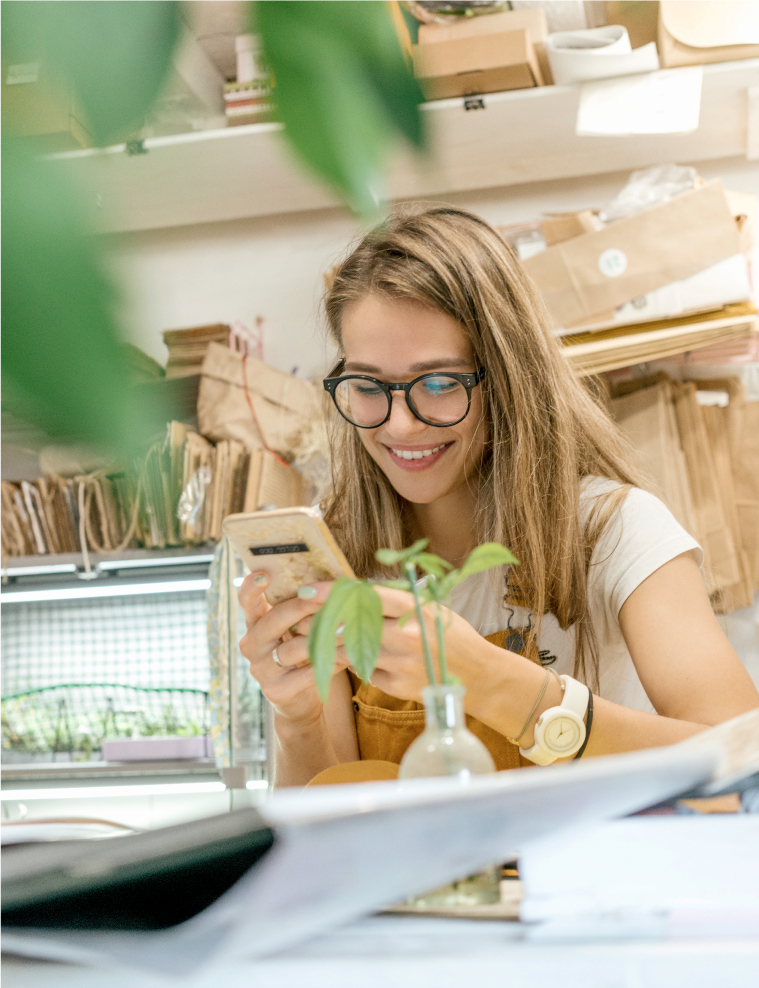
<point x="643" y="536"/>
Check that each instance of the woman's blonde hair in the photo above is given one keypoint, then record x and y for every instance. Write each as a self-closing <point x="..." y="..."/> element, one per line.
<point x="546" y="431"/>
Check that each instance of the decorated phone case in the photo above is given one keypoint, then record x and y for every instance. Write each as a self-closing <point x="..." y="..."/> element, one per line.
<point x="292" y="546"/>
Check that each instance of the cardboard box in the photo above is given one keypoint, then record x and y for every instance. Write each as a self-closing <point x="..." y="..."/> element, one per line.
<point x="481" y="55"/>
<point x="585" y="277"/>
<point x="695" y="33"/>
<point x="531" y="19"/>
<point x="492" y="63"/>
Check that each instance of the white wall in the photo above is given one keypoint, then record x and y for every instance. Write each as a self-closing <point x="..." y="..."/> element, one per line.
<point x="272" y="266"/>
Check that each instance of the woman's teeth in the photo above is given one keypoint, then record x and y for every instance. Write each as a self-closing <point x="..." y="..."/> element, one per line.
<point x="416" y="454"/>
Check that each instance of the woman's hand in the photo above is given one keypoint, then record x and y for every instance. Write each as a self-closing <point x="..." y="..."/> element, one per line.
<point x="401" y="669"/>
<point x="290" y="689"/>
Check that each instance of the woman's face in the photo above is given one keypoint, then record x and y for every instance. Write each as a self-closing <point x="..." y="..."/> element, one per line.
<point x="397" y="341"/>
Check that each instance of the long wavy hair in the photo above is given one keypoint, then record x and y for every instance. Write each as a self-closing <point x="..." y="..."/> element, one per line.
<point x="546" y="431"/>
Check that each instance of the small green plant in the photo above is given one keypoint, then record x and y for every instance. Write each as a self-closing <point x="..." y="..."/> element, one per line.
<point x="356" y="605"/>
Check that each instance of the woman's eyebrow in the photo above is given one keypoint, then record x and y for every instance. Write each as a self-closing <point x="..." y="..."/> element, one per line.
<point x="444" y="363"/>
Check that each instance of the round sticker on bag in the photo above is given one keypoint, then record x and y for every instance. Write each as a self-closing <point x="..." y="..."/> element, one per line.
<point x="613" y="262"/>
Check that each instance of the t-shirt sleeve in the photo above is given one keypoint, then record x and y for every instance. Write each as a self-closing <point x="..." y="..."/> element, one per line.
<point x="643" y="536"/>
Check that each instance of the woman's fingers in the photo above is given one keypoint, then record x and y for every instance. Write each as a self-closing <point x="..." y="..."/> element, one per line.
<point x="251" y="597"/>
<point x="282" y="617"/>
<point x="395" y="603"/>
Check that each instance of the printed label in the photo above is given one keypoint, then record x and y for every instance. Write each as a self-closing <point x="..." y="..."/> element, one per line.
<point x="613" y="262"/>
<point x="274" y="550"/>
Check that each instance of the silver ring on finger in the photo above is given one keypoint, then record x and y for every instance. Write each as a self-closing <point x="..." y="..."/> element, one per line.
<point x="275" y="656"/>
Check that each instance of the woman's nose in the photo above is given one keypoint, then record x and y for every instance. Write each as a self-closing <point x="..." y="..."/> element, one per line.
<point x="402" y="421"/>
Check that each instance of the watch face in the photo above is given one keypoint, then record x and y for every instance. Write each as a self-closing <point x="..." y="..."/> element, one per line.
<point x="562" y="734"/>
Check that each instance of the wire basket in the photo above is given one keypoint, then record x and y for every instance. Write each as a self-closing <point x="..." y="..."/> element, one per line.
<point x="74" y="719"/>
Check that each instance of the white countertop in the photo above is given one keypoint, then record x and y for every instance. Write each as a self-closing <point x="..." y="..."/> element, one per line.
<point x="419" y="952"/>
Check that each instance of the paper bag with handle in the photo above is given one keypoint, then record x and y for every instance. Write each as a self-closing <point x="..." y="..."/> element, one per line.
<point x="243" y="398"/>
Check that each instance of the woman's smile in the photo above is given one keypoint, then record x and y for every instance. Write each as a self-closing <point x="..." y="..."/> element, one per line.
<point x="416" y="457"/>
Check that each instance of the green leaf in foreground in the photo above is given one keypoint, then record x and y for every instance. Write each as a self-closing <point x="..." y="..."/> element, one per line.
<point x="342" y="89"/>
<point x="391" y="557"/>
<point x="362" y="637"/>
<point x="487" y="556"/>
<point x="397" y="584"/>
<point x="432" y="565"/>
<point x="322" y="635"/>
<point x="357" y="606"/>
<point x="63" y="366"/>
<point x="115" y="55"/>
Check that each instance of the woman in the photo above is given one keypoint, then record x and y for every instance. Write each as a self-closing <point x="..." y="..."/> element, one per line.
<point x="495" y="440"/>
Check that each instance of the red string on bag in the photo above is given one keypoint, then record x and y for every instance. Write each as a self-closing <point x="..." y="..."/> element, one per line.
<point x="255" y="417"/>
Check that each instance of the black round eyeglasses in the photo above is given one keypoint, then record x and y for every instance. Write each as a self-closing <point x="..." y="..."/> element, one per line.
<point x="435" y="399"/>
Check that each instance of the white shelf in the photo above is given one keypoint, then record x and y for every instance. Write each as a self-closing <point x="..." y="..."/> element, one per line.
<point x="527" y="135"/>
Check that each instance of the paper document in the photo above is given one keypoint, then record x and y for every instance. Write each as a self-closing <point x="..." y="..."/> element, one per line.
<point x="597" y="53"/>
<point x="675" y="875"/>
<point x="665" y="102"/>
<point x="344" y="851"/>
<point x="719" y="284"/>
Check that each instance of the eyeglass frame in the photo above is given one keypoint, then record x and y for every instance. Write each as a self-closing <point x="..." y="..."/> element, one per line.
<point x="468" y="381"/>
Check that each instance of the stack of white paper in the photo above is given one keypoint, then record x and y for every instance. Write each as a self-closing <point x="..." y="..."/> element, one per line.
<point x="661" y="875"/>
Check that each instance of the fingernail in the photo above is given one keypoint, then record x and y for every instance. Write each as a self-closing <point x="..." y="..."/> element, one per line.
<point x="340" y="628"/>
<point x="307" y="593"/>
<point x="261" y="580"/>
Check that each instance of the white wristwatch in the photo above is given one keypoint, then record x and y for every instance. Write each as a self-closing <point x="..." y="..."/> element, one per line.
<point x="560" y="731"/>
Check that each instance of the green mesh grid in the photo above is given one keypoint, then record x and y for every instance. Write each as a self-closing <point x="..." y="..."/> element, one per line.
<point x="76" y="718"/>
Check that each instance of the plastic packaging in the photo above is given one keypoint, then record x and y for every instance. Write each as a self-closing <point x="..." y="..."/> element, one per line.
<point x="192" y="497"/>
<point x="650" y="187"/>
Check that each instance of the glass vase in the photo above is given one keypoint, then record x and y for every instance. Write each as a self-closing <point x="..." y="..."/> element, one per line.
<point x="448" y="747"/>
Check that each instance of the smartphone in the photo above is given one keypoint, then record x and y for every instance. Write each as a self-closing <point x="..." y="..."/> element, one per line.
<point x="292" y="546"/>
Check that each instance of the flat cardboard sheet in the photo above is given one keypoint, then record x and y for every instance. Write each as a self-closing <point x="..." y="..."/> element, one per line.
<point x="696" y="33"/>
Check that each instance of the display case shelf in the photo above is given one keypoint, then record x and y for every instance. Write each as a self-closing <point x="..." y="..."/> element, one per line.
<point x="129" y="567"/>
<point x="504" y="139"/>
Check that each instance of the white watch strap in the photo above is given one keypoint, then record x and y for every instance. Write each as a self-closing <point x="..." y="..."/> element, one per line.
<point x="576" y="698"/>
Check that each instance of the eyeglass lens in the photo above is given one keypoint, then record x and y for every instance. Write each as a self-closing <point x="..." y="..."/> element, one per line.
<point x="440" y="400"/>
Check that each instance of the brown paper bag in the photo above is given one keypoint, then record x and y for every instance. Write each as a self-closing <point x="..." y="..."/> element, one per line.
<point x="647" y="419"/>
<point x="716" y="420"/>
<point x="276" y="407"/>
<point x="720" y="556"/>
<point x="743" y="428"/>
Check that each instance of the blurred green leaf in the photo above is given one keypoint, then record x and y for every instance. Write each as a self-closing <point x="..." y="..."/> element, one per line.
<point x="62" y="365"/>
<point x="487" y="556"/>
<point x="362" y="636"/>
<point x="391" y="557"/>
<point x="115" y="54"/>
<point x="397" y="584"/>
<point x="322" y="635"/>
<point x="433" y="565"/>
<point x="342" y="89"/>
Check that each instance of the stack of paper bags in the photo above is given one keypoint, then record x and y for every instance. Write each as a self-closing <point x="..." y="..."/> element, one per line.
<point x="671" y="277"/>
<point x="223" y="479"/>
<point x="698" y="459"/>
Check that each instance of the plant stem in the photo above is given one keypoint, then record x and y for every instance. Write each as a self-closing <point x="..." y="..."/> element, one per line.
<point x="411" y="575"/>
<point x="441" y="644"/>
